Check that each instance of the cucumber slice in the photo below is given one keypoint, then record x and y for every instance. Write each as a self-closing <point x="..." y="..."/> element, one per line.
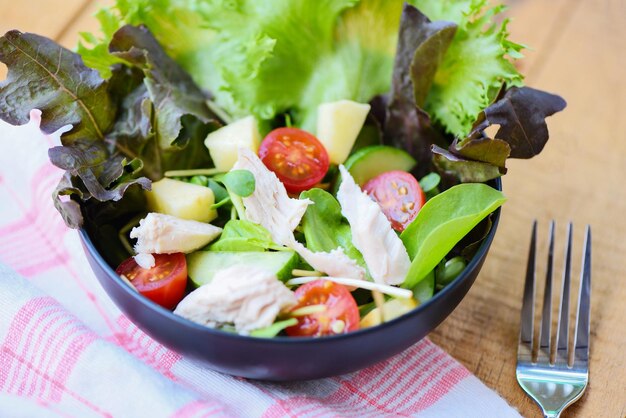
<point x="369" y="162"/>
<point x="202" y="265"/>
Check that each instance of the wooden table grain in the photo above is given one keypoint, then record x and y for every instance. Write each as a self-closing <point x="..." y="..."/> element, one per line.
<point x="578" y="51"/>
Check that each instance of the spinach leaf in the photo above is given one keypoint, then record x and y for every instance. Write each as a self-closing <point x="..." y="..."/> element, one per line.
<point x="242" y="235"/>
<point x="246" y="229"/>
<point x="324" y="227"/>
<point x="237" y="244"/>
<point x="472" y="241"/>
<point x="442" y="222"/>
<point x="240" y="182"/>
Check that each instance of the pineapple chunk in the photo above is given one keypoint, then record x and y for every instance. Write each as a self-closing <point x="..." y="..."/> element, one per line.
<point x="392" y="309"/>
<point x="338" y="125"/>
<point x="183" y="200"/>
<point x="224" y="143"/>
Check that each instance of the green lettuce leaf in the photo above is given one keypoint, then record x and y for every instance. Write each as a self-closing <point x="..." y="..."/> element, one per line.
<point x="325" y="228"/>
<point x="242" y="235"/>
<point x="95" y="50"/>
<point x="254" y="56"/>
<point x="476" y="65"/>
<point x="177" y="26"/>
<point x="276" y="65"/>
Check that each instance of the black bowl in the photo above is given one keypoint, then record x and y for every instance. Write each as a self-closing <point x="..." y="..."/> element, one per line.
<point x="284" y="358"/>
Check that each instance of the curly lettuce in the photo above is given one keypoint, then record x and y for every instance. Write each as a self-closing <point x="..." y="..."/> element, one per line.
<point x="476" y="66"/>
<point x="268" y="57"/>
<point x="273" y="56"/>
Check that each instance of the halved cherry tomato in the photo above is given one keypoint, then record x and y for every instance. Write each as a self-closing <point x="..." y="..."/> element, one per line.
<point x="297" y="158"/>
<point x="399" y="195"/>
<point x="332" y="310"/>
<point x="164" y="283"/>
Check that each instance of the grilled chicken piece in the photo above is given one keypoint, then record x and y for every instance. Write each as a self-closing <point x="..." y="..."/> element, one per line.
<point x="334" y="263"/>
<point x="164" y="234"/>
<point x="383" y="251"/>
<point x="271" y="206"/>
<point x="247" y="297"/>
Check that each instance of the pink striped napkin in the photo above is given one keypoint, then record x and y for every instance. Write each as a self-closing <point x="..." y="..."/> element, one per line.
<point x="66" y="350"/>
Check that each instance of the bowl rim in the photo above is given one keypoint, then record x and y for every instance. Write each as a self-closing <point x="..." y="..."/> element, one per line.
<point x="281" y="340"/>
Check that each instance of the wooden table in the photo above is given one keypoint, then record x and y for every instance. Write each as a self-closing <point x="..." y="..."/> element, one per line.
<point x="579" y="50"/>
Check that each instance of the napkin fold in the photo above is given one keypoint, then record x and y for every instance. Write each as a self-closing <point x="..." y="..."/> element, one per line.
<point x="67" y="351"/>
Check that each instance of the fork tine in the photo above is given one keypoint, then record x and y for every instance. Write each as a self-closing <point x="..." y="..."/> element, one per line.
<point x="546" y="315"/>
<point x="581" y="336"/>
<point x="528" y="311"/>
<point x="562" y="328"/>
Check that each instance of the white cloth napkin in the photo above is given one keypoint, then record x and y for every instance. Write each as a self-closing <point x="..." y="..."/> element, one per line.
<point x="67" y="351"/>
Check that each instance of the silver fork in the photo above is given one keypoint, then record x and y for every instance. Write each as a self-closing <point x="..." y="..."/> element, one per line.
<point x="555" y="384"/>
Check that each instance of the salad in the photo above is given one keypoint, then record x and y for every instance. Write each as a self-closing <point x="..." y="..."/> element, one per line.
<point x="302" y="168"/>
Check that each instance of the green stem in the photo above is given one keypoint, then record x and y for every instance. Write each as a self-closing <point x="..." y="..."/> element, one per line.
<point x="194" y="172"/>
<point x="220" y="203"/>
<point x="122" y="235"/>
<point x="238" y="205"/>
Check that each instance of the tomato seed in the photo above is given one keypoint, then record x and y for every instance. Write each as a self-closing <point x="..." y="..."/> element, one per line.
<point x="338" y="326"/>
